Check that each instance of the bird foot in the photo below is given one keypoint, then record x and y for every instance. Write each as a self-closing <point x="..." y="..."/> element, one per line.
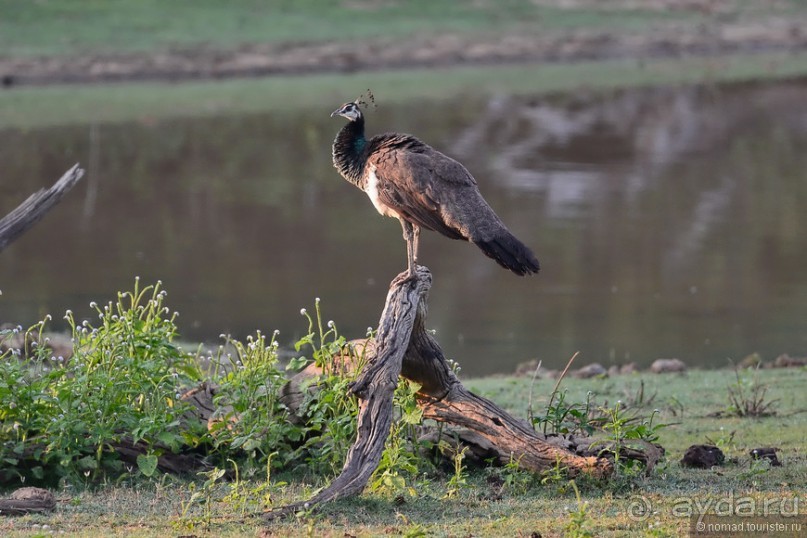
<point x="410" y="275"/>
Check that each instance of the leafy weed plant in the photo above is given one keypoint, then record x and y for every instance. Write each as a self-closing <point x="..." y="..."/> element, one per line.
<point x="250" y="416"/>
<point x="400" y="459"/>
<point x="459" y="479"/>
<point x="578" y="524"/>
<point x="330" y="411"/>
<point x="62" y="418"/>
<point x="747" y="398"/>
<point x="562" y="417"/>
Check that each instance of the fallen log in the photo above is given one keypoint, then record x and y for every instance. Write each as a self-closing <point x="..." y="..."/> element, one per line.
<point x="27" y="501"/>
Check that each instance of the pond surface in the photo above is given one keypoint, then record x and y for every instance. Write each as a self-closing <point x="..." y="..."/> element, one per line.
<point x="669" y="223"/>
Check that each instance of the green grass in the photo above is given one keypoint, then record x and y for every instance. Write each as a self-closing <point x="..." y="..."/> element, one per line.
<point x="71" y="26"/>
<point x="478" y="508"/>
<point x="60" y="105"/>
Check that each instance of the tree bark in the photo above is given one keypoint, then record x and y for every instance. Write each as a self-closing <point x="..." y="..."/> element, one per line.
<point x="26" y="501"/>
<point x="403" y="347"/>
<point x="35" y="206"/>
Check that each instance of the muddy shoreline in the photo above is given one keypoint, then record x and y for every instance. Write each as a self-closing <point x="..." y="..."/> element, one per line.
<point x="719" y="39"/>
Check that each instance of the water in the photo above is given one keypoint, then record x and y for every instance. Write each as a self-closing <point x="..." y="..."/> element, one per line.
<point x="669" y="223"/>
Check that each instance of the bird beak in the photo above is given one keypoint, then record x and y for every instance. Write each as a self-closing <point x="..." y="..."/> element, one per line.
<point x="336" y="112"/>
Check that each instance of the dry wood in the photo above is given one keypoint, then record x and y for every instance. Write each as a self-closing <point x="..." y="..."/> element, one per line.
<point x="35" y="206"/>
<point x="375" y="387"/>
<point x="26" y="501"/>
<point x="403" y="347"/>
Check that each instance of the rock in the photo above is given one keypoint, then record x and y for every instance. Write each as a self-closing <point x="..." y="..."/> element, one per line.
<point x="623" y="369"/>
<point x="527" y="368"/>
<point x="594" y="369"/>
<point x="768" y="453"/>
<point x="664" y="366"/>
<point x="629" y="368"/>
<point x="12" y="340"/>
<point x="786" y="361"/>
<point x="754" y="360"/>
<point x="703" y="457"/>
<point x="59" y="345"/>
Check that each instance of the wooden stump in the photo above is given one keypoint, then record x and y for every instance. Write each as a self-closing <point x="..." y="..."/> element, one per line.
<point x="403" y="347"/>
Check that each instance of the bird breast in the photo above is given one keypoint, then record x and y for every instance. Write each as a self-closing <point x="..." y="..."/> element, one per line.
<point x="371" y="187"/>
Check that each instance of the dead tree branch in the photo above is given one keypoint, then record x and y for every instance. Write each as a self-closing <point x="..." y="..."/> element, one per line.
<point x="403" y="347"/>
<point x="35" y="206"/>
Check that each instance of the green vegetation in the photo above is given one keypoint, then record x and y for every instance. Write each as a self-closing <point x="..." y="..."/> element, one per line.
<point x="150" y="102"/>
<point x="65" y="416"/>
<point x="61" y="419"/>
<point x="748" y="398"/>
<point x="71" y="26"/>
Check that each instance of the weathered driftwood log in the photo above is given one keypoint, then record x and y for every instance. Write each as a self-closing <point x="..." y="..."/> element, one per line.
<point x="35" y="206"/>
<point x="403" y="347"/>
<point x="26" y="501"/>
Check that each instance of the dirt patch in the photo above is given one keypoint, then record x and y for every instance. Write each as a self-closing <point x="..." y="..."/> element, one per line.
<point x="713" y="39"/>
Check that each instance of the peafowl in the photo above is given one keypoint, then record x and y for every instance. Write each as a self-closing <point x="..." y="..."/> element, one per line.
<point x="423" y="188"/>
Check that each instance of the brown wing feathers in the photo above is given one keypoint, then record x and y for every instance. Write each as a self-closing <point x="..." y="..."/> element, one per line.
<point x="438" y="193"/>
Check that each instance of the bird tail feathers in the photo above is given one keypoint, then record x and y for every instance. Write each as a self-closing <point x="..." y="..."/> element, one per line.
<point x="510" y="253"/>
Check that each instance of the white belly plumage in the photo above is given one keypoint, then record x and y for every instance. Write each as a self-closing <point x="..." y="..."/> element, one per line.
<point x="372" y="192"/>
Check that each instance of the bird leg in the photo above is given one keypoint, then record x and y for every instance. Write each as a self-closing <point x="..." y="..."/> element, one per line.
<point x="411" y="234"/>
<point x="415" y="243"/>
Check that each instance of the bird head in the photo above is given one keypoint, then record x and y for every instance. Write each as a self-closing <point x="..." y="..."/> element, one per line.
<point x="351" y="111"/>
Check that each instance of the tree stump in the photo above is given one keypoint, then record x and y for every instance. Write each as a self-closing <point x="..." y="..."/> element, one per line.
<point x="402" y="347"/>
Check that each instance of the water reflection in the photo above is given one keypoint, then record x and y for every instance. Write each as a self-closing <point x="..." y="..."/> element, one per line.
<point x="669" y="223"/>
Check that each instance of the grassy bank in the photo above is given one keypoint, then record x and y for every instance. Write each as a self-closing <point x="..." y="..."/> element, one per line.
<point x="59" y="105"/>
<point x="72" y="27"/>
<point x="499" y="502"/>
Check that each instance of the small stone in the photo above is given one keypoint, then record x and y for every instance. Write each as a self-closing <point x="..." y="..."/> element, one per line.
<point x="623" y="369"/>
<point x="590" y="370"/>
<point x="526" y="368"/>
<point x="786" y="361"/>
<point x="664" y="366"/>
<point x="754" y="360"/>
<point x="629" y="368"/>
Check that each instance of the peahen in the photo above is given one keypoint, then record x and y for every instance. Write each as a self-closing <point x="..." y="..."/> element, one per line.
<point x="423" y="188"/>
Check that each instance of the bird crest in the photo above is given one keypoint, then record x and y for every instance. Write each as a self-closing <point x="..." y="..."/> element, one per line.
<point x="365" y="102"/>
